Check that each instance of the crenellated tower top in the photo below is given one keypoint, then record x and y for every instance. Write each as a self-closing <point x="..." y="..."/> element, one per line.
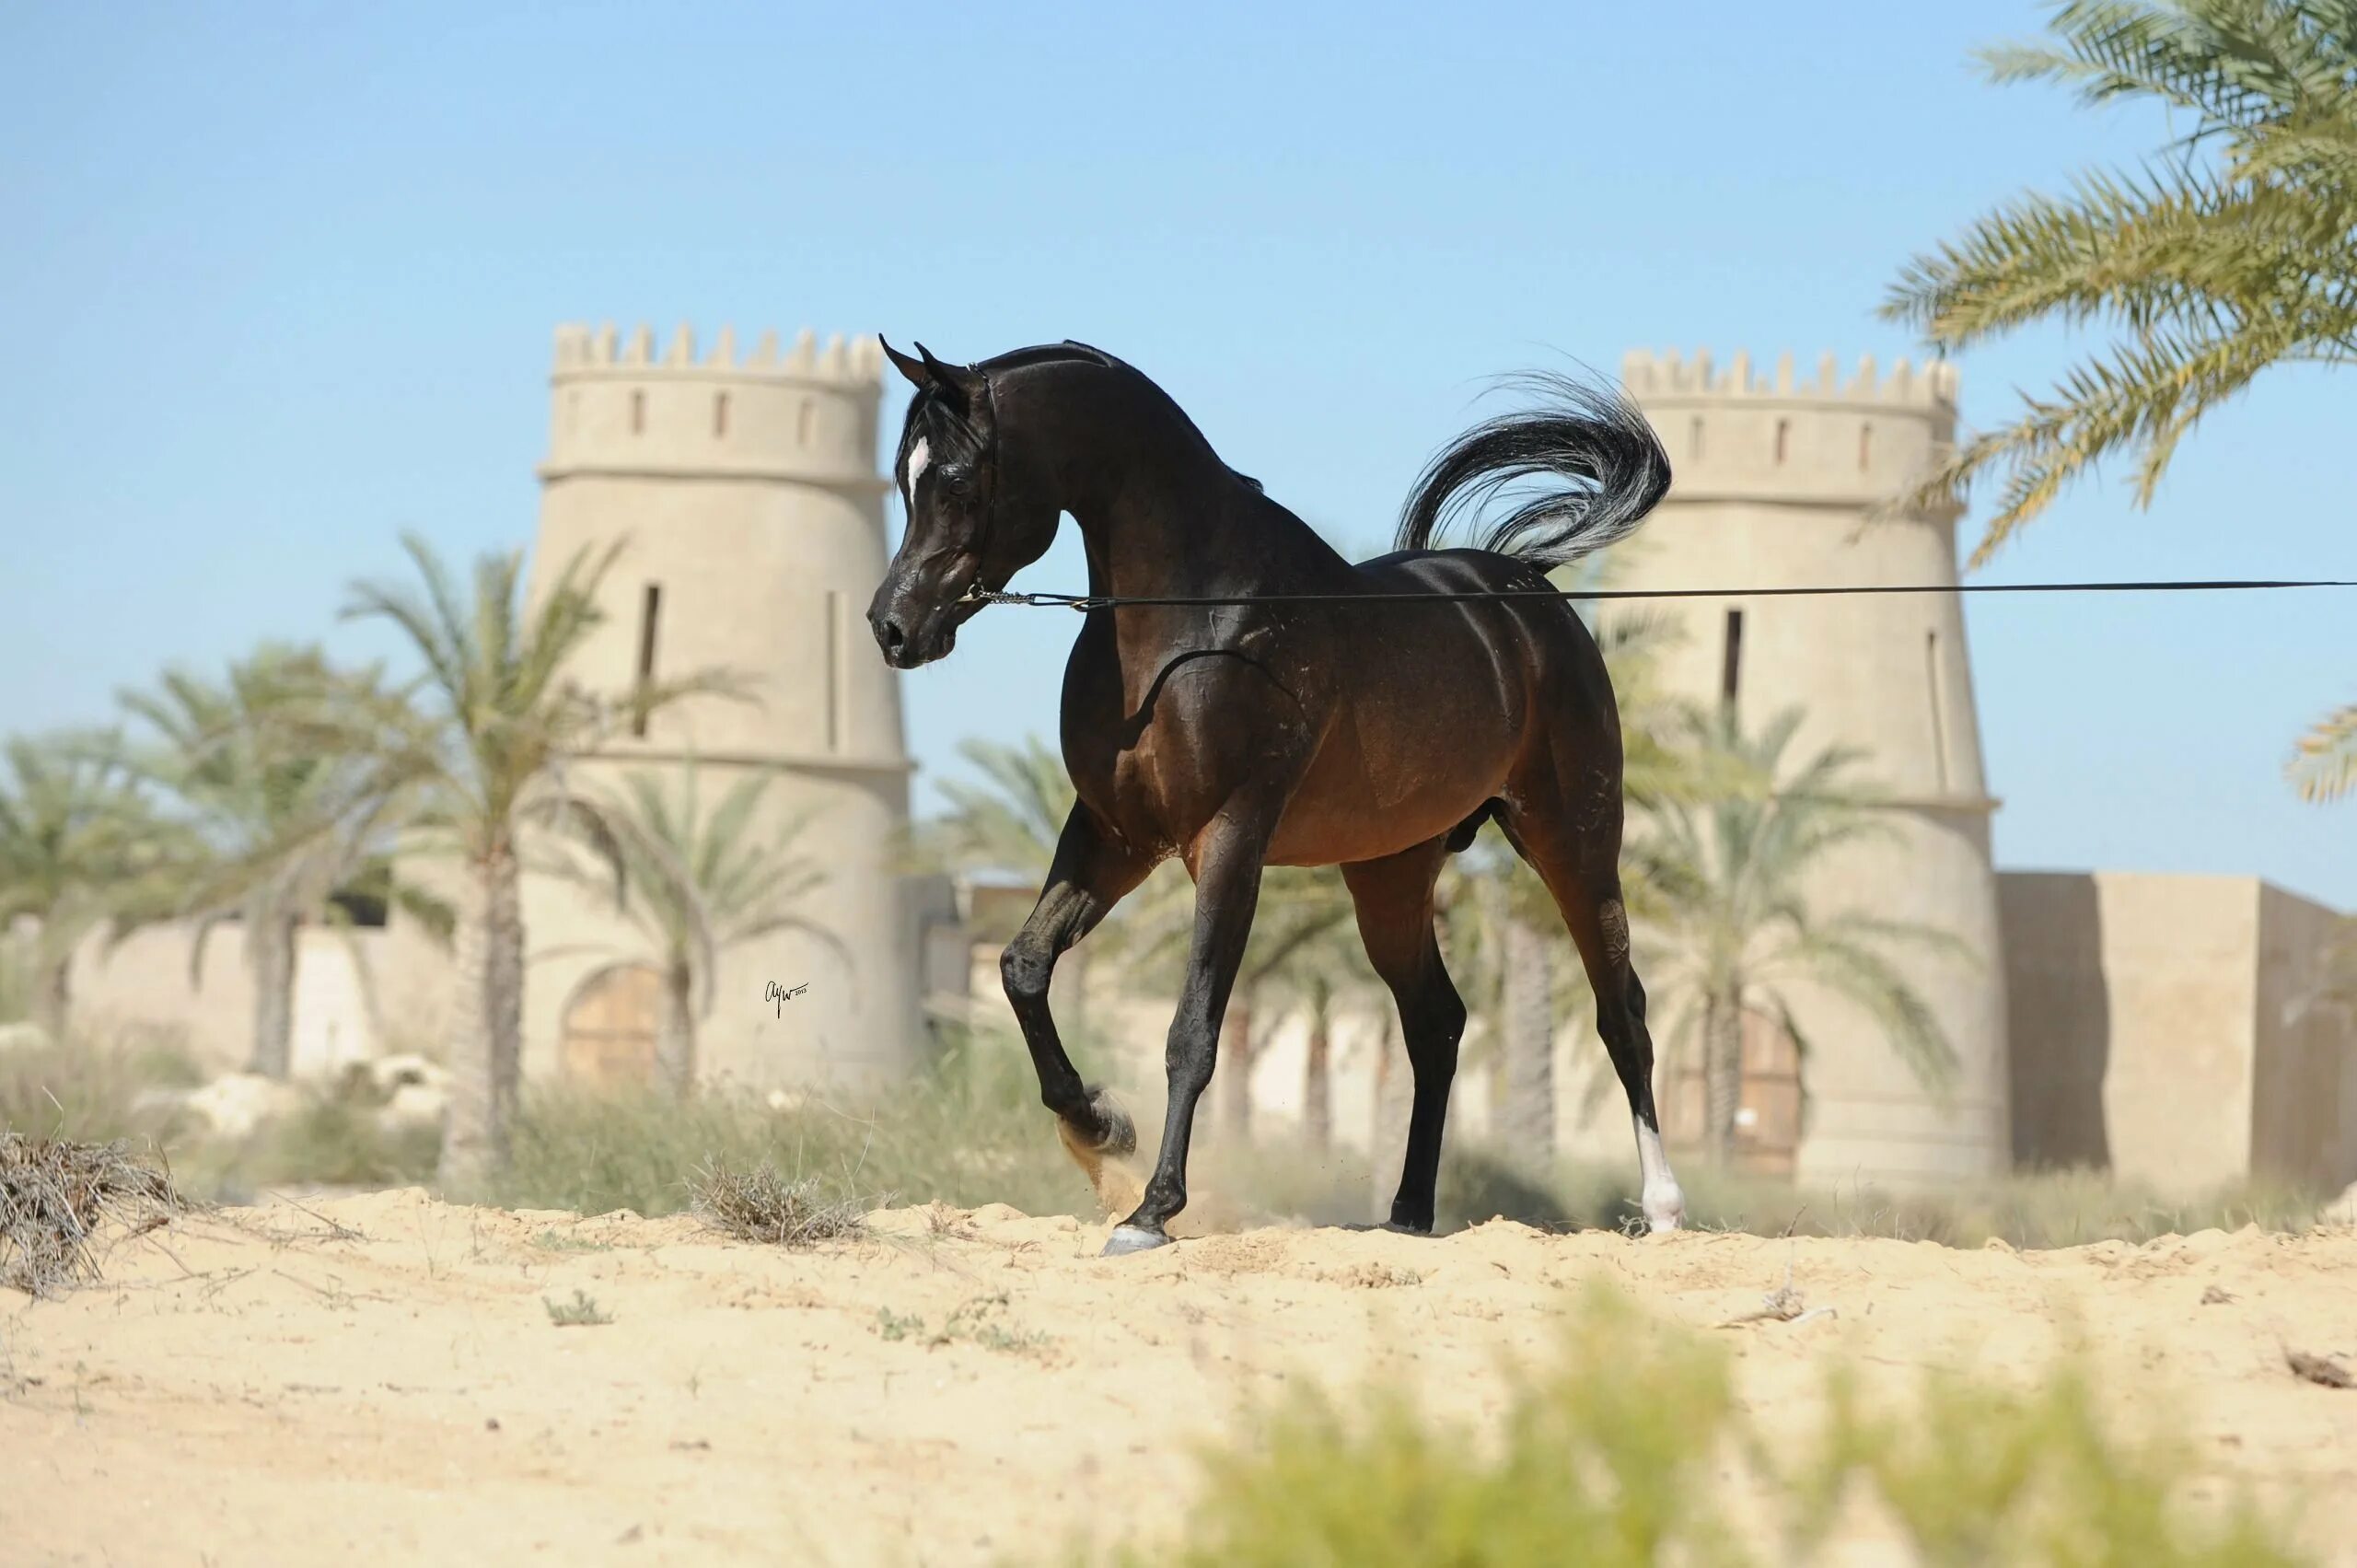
<point x="1736" y="434"/>
<point x="802" y="412"/>
<point x="583" y="349"/>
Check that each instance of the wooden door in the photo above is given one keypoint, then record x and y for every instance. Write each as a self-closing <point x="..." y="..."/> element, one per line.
<point x="1768" y="1114"/>
<point x="1768" y="1119"/>
<point x="609" y="1027"/>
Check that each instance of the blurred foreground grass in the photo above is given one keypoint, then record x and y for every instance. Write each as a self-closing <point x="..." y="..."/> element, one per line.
<point x="970" y="1131"/>
<point x="1629" y="1447"/>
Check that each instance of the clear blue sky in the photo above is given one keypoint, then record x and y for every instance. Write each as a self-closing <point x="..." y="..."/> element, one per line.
<point x="279" y="281"/>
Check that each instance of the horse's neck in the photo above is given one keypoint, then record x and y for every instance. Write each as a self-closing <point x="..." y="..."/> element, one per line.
<point x="1166" y="515"/>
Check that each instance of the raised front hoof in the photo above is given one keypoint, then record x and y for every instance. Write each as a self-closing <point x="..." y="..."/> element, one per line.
<point x="1119" y="1137"/>
<point x="1127" y="1238"/>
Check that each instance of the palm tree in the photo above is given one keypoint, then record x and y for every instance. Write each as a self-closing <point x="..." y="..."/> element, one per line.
<point x="698" y="884"/>
<point x="1325" y="976"/>
<point x="1733" y="927"/>
<point x="479" y="750"/>
<point x="1007" y="822"/>
<point x="81" y="850"/>
<point x="1302" y="936"/>
<point x="2325" y="765"/>
<point x="283" y="822"/>
<point x="2234" y="250"/>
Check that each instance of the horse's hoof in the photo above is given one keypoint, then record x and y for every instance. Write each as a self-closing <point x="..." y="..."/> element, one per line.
<point x="1665" y="1211"/>
<point x="1121" y="1139"/>
<point x="1133" y="1239"/>
<point x="1398" y="1228"/>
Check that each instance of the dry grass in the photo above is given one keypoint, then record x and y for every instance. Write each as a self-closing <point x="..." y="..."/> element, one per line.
<point x="56" y="1194"/>
<point x="759" y="1203"/>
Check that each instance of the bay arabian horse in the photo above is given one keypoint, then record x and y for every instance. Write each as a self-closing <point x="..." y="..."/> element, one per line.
<point x="1373" y="735"/>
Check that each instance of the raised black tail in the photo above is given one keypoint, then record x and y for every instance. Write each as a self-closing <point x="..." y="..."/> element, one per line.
<point x="1587" y="433"/>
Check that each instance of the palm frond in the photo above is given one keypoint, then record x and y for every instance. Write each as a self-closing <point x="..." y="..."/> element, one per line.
<point x="2324" y="765"/>
<point x="2233" y="250"/>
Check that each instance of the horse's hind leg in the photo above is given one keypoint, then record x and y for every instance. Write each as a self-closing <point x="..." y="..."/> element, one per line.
<point x="1091" y="873"/>
<point x="1578" y="853"/>
<point x="1394" y="899"/>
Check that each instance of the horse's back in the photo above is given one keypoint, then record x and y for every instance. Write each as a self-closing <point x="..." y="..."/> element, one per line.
<point x="1539" y="616"/>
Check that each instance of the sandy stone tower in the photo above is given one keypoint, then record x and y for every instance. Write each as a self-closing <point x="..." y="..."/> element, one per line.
<point x="748" y="491"/>
<point x="1773" y="483"/>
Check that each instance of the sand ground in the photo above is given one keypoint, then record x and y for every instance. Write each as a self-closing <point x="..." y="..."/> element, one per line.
<point x="378" y="1379"/>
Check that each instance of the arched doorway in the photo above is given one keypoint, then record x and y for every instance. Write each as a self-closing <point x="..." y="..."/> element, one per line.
<point x="1767" y="1121"/>
<point x="1769" y="1114"/>
<point x="609" y="1038"/>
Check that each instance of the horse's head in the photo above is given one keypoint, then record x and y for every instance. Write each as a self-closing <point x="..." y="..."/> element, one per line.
<point x="973" y="522"/>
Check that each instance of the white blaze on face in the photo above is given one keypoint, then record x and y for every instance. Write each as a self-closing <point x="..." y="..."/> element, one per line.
<point x="919" y="455"/>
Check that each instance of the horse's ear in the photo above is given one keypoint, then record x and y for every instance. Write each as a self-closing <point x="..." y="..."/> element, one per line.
<point x="911" y="368"/>
<point x="963" y="379"/>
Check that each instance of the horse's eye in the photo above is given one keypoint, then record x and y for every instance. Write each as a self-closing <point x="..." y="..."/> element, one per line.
<point x="957" y="481"/>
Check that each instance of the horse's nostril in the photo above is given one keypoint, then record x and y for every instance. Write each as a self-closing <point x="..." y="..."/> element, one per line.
<point x="890" y="633"/>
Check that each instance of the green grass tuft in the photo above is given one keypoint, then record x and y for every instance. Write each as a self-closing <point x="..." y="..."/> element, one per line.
<point x="1620" y="1452"/>
<point x="580" y="1312"/>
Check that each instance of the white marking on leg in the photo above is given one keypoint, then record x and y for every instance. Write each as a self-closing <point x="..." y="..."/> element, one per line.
<point x="919" y="456"/>
<point x="1664" y="1201"/>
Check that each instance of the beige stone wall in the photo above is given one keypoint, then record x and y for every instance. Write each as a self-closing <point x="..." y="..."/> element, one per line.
<point x="358" y="993"/>
<point x="2304" y="1115"/>
<point x="1773" y="481"/>
<point x="2170" y="1027"/>
<point x="747" y="491"/>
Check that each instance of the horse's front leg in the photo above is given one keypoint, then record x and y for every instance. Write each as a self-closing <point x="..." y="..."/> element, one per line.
<point x="1093" y="870"/>
<point x="1227" y="889"/>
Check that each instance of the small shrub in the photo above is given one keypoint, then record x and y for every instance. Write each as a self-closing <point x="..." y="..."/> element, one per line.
<point x="54" y="1193"/>
<point x="1607" y="1459"/>
<point x="976" y="1322"/>
<point x="564" y="1241"/>
<point x="338" y="1141"/>
<point x="759" y="1204"/>
<point x="1979" y="1473"/>
<point x="580" y="1312"/>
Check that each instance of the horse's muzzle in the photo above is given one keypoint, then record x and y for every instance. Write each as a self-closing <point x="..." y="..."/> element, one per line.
<point x="909" y="641"/>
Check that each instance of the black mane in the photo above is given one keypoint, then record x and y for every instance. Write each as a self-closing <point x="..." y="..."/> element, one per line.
<point x="1071" y="352"/>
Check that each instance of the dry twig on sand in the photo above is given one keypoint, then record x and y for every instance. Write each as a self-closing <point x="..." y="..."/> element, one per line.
<point x="760" y="1204"/>
<point x="56" y="1193"/>
<point x="1783" y="1305"/>
<point x="2323" y="1369"/>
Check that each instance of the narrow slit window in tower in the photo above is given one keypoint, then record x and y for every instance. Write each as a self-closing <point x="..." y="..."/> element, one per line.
<point x="802" y="423"/>
<point x="720" y="414"/>
<point x="1783" y="439"/>
<point x="1694" y="438"/>
<point x="835" y="661"/>
<point x="1865" y="446"/>
<point x="638" y="413"/>
<point x="1939" y="719"/>
<point x="1731" y="670"/>
<point x="649" y="610"/>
